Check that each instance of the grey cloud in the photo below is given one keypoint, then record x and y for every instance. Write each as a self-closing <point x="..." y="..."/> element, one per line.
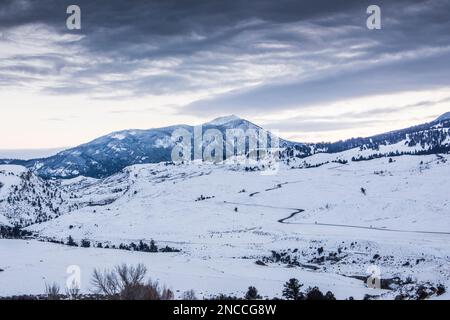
<point x="304" y="126"/>
<point x="348" y="120"/>
<point x="392" y="77"/>
<point x="213" y="41"/>
<point x="393" y="109"/>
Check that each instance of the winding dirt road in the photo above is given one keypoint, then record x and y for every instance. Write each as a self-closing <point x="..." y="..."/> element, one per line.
<point x="297" y="211"/>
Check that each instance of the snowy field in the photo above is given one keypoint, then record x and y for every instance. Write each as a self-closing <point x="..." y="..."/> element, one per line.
<point x="33" y="264"/>
<point x="335" y="221"/>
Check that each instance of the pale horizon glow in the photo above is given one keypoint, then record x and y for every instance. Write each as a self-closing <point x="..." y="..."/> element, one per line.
<point x="311" y="72"/>
<point x="55" y="122"/>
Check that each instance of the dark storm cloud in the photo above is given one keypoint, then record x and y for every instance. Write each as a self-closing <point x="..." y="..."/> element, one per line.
<point x="420" y="73"/>
<point x="271" y="55"/>
<point x="420" y="35"/>
<point x="165" y="17"/>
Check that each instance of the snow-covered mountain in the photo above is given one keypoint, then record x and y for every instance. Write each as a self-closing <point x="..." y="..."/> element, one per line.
<point x="445" y="116"/>
<point x="109" y="154"/>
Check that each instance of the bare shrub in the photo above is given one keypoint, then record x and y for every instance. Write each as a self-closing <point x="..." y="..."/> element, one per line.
<point x="106" y="283"/>
<point x="128" y="283"/>
<point x="52" y="291"/>
<point x="73" y="291"/>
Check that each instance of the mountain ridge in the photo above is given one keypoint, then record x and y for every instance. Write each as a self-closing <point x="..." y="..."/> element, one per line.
<point x="111" y="153"/>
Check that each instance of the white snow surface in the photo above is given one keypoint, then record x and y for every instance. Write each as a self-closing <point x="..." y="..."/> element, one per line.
<point x="404" y="217"/>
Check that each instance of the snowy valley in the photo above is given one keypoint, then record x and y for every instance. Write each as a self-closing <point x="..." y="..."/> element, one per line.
<point x="326" y="218"/>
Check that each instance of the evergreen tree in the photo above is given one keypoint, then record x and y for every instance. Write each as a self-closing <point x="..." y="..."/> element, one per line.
<point x="291" y="290"/>
<point x="85" y="243"/>
<point x="153" y="247"/>
<point x="71" y="242"/>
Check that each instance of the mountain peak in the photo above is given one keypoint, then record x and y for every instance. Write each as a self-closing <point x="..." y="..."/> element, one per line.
<point x="445" y="116"/>
<point x="222" y="120"/>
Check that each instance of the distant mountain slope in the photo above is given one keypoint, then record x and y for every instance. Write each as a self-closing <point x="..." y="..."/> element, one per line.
<point x="428" y="138"/>
<point x="109" y="154"/>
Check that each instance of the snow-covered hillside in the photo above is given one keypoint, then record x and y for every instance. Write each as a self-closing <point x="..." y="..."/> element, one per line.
<point x="325" y="225"/>
<point x="26" y="198"/>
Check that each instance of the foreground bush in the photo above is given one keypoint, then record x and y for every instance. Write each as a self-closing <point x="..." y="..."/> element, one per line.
<point x="128" y="283"/>
<point x="52" y="291"/>
<point x="252" y="294"/>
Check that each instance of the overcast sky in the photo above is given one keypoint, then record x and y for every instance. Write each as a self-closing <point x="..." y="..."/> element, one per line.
<point x="310" y="69"/>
